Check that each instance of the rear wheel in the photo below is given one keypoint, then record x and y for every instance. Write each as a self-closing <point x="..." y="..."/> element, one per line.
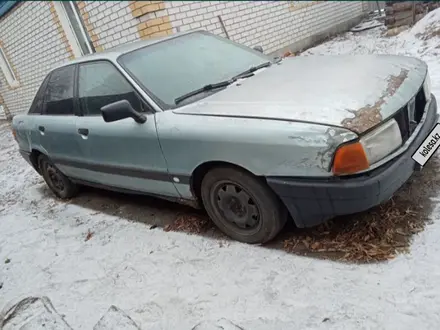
<point x="60" y="185"/>
<point x="242" y="206"/>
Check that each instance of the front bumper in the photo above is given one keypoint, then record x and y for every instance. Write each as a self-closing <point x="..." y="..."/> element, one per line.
<point x="313" y="201"/>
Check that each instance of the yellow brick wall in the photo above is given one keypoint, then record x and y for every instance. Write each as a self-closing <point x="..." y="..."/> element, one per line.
<point x="154" y="21"/>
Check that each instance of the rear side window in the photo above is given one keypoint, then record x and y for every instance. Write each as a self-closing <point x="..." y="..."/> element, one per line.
<point x="99" y="84"/>
<point x="58" y="96"/>
<point x="37" y="103"/>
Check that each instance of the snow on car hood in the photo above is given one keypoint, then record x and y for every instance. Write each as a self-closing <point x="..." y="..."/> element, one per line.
<point x="356" y="92"/>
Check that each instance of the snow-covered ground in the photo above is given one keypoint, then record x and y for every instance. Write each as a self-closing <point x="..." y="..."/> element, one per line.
<point x="168" y="280"/>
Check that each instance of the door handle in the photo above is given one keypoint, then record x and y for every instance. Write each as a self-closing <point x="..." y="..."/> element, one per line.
<point x="41" y="128"/>
<point x="83" y="131"/>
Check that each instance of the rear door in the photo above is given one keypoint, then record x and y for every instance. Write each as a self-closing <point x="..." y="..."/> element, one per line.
<point x="28" y="135"/>
<point x="56" y="126"/>
<point x="123" y="154"/>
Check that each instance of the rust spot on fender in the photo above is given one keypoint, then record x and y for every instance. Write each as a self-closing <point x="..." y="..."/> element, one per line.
<point x="369" y="116"/>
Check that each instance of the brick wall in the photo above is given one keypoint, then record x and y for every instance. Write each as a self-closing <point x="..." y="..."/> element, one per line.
<point x="153" y="18"/>
<point x="111" y="22"/>
<point x="271" y="24"/>
<point x="33" y="43"/>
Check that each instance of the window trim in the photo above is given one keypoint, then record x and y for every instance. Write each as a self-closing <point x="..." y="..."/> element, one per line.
<point x="147" y="108"/>
<point x="7" y="69"/>
<point x="39" y="95"/>
<point x="84" y="33"/>
<point x="71" y="34"/>
<point x="43" y="96"/>
<point x="75" y="110"/>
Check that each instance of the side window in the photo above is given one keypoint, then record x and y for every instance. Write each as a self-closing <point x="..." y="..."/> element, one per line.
<point x="58" y="96"/>
<point x="100" y="83"/>
<point x="37" y="103"/>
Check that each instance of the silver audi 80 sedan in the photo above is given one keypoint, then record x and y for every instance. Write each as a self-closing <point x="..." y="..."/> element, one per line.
<point x="204" y="121"/>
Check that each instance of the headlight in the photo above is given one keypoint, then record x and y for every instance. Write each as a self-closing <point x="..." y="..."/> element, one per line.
<point x="427" y="87"/>
<point x="374" y="146"/>
<point x="382" y="141"/>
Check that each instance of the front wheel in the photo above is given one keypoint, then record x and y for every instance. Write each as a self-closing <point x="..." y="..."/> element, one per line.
<point x="60" y="185"/>
<point x="242" y="206"/>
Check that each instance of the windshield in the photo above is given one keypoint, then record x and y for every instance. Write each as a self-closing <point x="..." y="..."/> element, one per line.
<point x="174" y="67"/>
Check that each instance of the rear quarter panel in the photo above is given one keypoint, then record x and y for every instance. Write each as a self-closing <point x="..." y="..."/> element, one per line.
<point x="263" y="147"/>
<point x="27" y="136"/>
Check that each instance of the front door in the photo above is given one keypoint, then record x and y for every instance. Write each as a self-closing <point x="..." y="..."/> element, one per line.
<point x="122" y="154"/>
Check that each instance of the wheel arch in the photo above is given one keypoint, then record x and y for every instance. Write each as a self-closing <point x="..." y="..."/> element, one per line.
<point x="274" y="210"/>
<point x="35" y="154"/>
<point x="201" y="170"/>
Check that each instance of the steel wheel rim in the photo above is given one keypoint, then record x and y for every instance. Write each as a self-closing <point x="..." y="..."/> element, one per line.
<point x="55" y="178"/>
<point x="236" y="206"/>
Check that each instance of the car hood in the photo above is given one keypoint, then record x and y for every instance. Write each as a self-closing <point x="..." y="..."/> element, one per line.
<point x="352" y="91"/>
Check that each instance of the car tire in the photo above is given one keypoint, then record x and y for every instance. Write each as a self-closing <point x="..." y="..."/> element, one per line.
<point x="242" y="205"/>
<point x="60" y="184"/>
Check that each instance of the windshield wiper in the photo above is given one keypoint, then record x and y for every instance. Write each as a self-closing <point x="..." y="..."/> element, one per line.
<point x="252" y="69"/>
<point x="224" y="83"/>
<point x="205" y="88"/>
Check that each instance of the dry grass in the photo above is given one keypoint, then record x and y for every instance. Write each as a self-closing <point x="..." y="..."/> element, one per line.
<point x="378" y="234"/>
<point x="190" y="223"/>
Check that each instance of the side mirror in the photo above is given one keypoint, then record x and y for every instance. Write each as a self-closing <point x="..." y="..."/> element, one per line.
<point x="259" y="49"/>
<point x="120" y="110"/>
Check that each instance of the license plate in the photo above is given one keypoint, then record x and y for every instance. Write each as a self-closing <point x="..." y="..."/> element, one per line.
<point x="428" y="147"/>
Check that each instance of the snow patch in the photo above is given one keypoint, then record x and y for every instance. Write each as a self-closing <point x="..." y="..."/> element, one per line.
<point x="427" y="25"/>
<point x="115" y="319"/>
<point x="221" y="324"/>
<point x="167" y="280"/>
<point x="32" y="313"/>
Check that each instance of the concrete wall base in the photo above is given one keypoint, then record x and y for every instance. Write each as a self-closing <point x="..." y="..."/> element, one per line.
<point x="318" y="38"/>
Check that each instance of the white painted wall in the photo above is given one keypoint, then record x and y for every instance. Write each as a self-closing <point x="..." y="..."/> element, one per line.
<point x="113" y="22"/>
<point x="271" y="24"/>
<point x="33" y="45"/>
<point x="2" y="112"/>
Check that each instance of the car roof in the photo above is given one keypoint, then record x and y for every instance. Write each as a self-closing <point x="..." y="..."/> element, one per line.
<point x="115" y="52"/>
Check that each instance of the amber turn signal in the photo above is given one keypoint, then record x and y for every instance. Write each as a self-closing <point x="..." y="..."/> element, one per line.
<point x="350" y="158"/>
